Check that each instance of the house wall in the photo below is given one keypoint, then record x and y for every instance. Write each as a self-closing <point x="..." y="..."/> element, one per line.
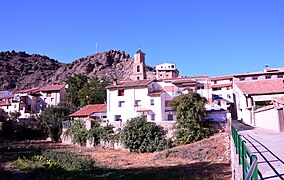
<point x="243" y="112"/>
<point x="128" y="109"/>
<point x="55" y="98"/>
<point x="267" y="119"/>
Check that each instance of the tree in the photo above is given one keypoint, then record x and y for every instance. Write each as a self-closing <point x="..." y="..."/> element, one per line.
<point x="142" y="136"/>
<point x="77" y="130"/>
<point x="81" y="92"/>
<point x="191" y="123"/>
<point x="75" y="84"/>
<point x="52" y="118"/>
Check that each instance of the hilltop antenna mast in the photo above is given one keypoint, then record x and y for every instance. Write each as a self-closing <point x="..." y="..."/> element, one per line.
<point x="96" y="47"/>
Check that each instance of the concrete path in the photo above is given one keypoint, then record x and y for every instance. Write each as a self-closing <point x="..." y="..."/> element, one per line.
<point x="269" y="148"/>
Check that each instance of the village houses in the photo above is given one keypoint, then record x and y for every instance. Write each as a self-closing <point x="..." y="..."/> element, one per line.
<point x="254" y="98"/>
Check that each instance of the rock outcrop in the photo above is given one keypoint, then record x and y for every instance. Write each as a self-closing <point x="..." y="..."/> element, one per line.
<point x="19" y="70"/>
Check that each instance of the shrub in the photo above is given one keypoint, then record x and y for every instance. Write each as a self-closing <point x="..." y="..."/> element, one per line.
<point x="191" y="124"/>
<point x="142" y="136"/>
<point x="77" y="130"/>
<point x="52" y="119"/>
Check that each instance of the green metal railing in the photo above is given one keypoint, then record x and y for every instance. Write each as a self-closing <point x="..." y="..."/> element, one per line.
<point x="246" y="158"/>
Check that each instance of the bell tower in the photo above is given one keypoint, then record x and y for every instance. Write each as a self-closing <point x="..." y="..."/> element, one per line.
<point x="139" y="67"/>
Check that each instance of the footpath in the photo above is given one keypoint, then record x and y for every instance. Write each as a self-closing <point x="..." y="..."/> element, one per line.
<point x="269" y="148"/>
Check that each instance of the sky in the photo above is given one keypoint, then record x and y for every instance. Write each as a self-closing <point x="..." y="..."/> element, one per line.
<point x="217" y="37"/>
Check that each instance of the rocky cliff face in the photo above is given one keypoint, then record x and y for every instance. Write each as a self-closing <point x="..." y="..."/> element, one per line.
<point x="19" y="70"/>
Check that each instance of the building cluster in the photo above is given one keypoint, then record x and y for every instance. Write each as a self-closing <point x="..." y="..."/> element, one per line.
<point x="32" y="101"/>
<point x="255" y="98"/>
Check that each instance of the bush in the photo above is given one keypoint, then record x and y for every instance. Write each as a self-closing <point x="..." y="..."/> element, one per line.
<point x="52" y="118"/>
<point x="142" y="136"/>
<point x="77" y="130"/>
<point x="191" y="124"/>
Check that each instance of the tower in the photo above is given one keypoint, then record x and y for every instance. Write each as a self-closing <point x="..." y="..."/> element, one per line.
<point x="139" y="67"/>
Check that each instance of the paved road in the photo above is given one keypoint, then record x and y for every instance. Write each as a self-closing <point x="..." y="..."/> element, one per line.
<point x="269" y="148"/>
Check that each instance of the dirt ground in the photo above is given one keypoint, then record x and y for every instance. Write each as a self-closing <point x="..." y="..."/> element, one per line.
<point x="210" y="155"/>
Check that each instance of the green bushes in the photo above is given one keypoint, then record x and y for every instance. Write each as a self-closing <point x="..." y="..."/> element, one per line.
<point x="142" y="136"/>
<point x="78" y="132"/>
<point x="191" y="123"/>
<point x="54" y="160"/>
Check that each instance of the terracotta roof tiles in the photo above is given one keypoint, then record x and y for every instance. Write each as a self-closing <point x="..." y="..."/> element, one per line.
<point x="271" y="86"/>
<point x="90" y="109"/>
<point x="56" y="87"/>
<point x="130" y="84"/>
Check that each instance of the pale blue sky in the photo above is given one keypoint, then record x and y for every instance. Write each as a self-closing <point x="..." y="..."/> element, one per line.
<point x="200" y="36"/>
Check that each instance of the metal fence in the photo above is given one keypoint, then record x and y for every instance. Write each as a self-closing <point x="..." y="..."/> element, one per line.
<point x="246" y="158"/>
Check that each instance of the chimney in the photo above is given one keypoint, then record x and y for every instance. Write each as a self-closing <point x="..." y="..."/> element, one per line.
<point x="115" y="82"/>
<point x="266" y="68"/>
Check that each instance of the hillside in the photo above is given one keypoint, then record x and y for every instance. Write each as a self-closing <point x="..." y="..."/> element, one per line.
<point x="19" y="70"/>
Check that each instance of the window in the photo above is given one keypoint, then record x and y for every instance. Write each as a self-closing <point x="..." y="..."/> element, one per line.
<point x="170" y="117"/>
<point x="160" y="74"/>
<point x="229" y="96"/>
<point x="152" y="117"/>
<point x="216" y="89"/>
<point x="52" y="99"/>
<point x="138" y="78"/>
<point x="48" y="94"/>
<point x="137" y="103"/>
<point x="173" y="66"/>
<point x="228" y="88"/>
<point x="254" y="78"/>
<point x="280" y="76"/>
<point x="267" y="77"/>
<point x="152" y="102"/>
<point x="121" y="103"/>
<point x="242" y="79"/>
<point x="215" y="82"/>
<point x="117" y="117"/>
<point x="167" y="103"/>
<point x="200" y="87"/>
<point x="138" y="69"/>
<point x="44" y="99"/>
<point x="121" y="92"/>
<point x="7" y="107"/>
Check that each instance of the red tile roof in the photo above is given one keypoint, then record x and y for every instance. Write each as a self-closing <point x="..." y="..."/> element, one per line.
<point x="130" y="84"/>
<point x="155" y="93"/>
<point x="221" y="85"/>
<point x="279" y="99"/>
<point x="222" y="77"/>
<point x="271" y="86"/>
<point x="29" y="90"/>
<point x="90" y="109"/>
<point x="5" y="103"/>
<point x="56" y="87"/>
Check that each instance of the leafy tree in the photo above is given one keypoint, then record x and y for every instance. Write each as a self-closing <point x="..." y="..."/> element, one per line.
<point x="52" y="119"/>
<point x="191" y="123"/>
<point x="13" y="115"/>
<point x="142" y="136"/>
<point x="77" y="130"/>
<point x="75" y="84"/>
<point x="80" y="92"/>
<point x="104" y="133"/>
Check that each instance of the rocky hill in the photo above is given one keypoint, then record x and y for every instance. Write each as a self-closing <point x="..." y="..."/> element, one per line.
<point x="19" y="70"/>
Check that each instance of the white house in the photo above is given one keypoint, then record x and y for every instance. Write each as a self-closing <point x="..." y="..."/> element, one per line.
<point x="52" y="95"/>
<point x="129" y="99"/>
<point x="166" y="71"/>
<point x="251" y="95"/>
